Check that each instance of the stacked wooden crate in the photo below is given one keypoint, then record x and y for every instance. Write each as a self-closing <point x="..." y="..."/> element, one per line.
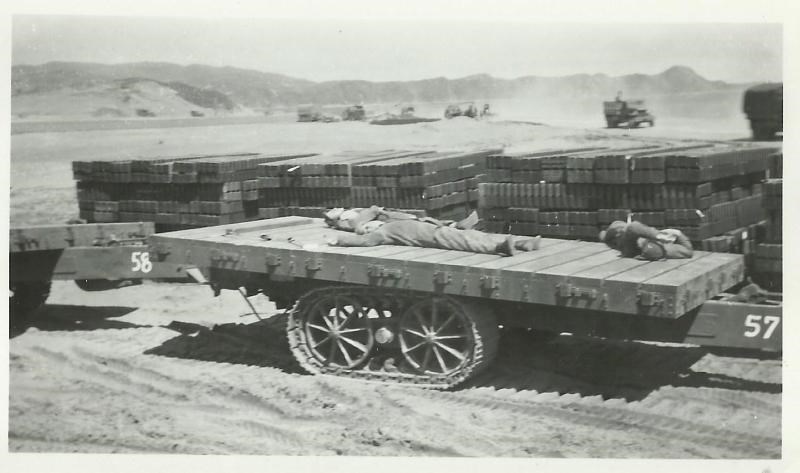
<point x="712" y="192"/>
<point x="175" y="192"/>
<point x="439" y="184"/>
<point x="306" y="186"/>
<point x="767" y="264"/>
<point x="442" y="184"/>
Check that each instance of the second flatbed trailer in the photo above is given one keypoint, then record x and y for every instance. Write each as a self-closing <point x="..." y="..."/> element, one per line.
<point x="430" y="317"/>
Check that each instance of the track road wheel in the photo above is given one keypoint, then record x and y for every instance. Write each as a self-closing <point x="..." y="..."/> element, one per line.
<point x="333" y="330"/>
<point x="442" y="336"/>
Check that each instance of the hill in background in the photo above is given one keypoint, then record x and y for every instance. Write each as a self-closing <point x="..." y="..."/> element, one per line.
<point x="63" y="89"/>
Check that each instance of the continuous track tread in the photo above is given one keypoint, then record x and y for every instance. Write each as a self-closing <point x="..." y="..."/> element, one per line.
<point x="484" y="328"/>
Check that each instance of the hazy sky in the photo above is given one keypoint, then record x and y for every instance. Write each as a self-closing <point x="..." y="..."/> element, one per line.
<point x="380" y="50"/>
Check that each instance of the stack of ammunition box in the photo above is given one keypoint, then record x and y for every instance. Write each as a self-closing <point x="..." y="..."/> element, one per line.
<point x="439" y="184"/>
<point x="711" y="192"/>
<point x="195" y="191"/>
<point x="174" y="193"/>
<point x="768" y="259"/>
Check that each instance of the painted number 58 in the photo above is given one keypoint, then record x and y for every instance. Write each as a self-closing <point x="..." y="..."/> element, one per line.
<point x="141" y="262"/>
<point x="756" y="324"/>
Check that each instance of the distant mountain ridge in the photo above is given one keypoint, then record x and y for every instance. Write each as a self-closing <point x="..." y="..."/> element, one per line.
<point x="226" y="88"/>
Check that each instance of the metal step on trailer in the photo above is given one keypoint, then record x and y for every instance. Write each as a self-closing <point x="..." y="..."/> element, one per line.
<point x="565" y="273"/>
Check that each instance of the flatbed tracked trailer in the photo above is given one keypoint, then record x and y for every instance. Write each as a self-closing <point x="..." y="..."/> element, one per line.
<point x="95" y="256"/>
<point x="430" y="317"/>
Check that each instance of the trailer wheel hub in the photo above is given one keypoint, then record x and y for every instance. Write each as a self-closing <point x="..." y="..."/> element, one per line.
<point x="384" y="335"/>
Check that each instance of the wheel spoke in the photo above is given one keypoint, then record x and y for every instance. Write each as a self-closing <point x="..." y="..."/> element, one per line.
<point x="414" y="332"/>
<point x="434" y="313"/>
<point x="407" y="349"/>
<point x="326" y="317"/>
<point x="349" y="317"/>
<point x="427" y="358"/>
<point x="446" y="323"/>
<point x="321" y="342"/>
<point x="452" y="351"/>
<point x="344" y="352"/>
<point x="354" y="343"/>
<point x="448" y="337"/>
<point x="421" y="321"/>
<point x="439" y="359"/>
<point x="319" y="327"/>
<point x="351" y="330"/>
<point x="332" y="351"/>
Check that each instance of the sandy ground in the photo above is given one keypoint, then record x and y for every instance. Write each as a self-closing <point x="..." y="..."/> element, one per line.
<point x="167" y="368"/>
<point x="170" y="369"/>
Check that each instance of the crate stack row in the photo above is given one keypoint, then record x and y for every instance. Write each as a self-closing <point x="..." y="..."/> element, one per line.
<point x="711" y="192"/>
<point x="438" y="184"/>
<point x="767" y="261"/>
<point x="306" y="186"/>
<point x="174" y="193"/>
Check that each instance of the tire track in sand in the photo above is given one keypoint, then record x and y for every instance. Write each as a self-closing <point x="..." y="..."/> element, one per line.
<point x="594" y="412"/>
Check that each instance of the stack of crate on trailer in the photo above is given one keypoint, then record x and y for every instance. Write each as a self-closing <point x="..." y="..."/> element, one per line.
<point x="767" y="262"/>
<point x="712" y="192"/>
<point x="175" y="192"/>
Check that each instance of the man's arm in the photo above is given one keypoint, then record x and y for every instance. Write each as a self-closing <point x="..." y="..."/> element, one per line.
<point x="628" y="244"/>
<point x="639" y="230"/>
<point x="349" y="239"/>
<point x="364" y="216"/>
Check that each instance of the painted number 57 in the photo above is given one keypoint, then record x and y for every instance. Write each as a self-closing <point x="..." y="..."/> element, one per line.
<point x="756" y="324"/>
<point x="141" y="262"/>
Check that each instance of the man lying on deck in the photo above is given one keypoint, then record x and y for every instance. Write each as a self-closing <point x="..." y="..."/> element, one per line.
<point x="412" y="232"/>
<point x="636" y="239"/>
<point x="353" y="220"/>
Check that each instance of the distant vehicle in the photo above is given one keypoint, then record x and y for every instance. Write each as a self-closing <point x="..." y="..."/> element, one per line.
<point x="354" y="113"/>
<point x="405" y="117"/>
<point x="407" y="111"/>
<point x="627" y="113"/>
<point x="467" y="109"/>
<point x="763" y="105"/>
<point x="309" y="113"/>
<point x="195" y="113"/>
<point x="143" y="112"/>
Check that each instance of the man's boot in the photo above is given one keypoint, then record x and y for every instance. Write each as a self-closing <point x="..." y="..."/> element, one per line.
<point x="508" y="246"/>
<point x="528" y="244"/>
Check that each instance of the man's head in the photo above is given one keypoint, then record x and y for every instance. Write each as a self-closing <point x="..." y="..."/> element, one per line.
<point x="612" y="234"/>
<point x="332" y="215"/>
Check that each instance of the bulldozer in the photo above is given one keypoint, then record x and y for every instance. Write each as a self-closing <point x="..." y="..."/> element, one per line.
<point x="627" y="113"/>
<point x="763" y="105"/>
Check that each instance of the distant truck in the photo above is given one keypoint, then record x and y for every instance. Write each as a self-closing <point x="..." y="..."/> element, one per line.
<point x="627" y="113"/>
<point x="308" y="113"/>
<point x="763" y="105"/>
<point x="354" y="113"/>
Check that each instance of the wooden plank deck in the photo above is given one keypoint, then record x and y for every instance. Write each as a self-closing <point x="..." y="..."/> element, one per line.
<point x="561" y="272"/>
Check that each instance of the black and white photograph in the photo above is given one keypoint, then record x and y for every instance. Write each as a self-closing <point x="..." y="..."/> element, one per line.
<point x="496" y="233"/>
